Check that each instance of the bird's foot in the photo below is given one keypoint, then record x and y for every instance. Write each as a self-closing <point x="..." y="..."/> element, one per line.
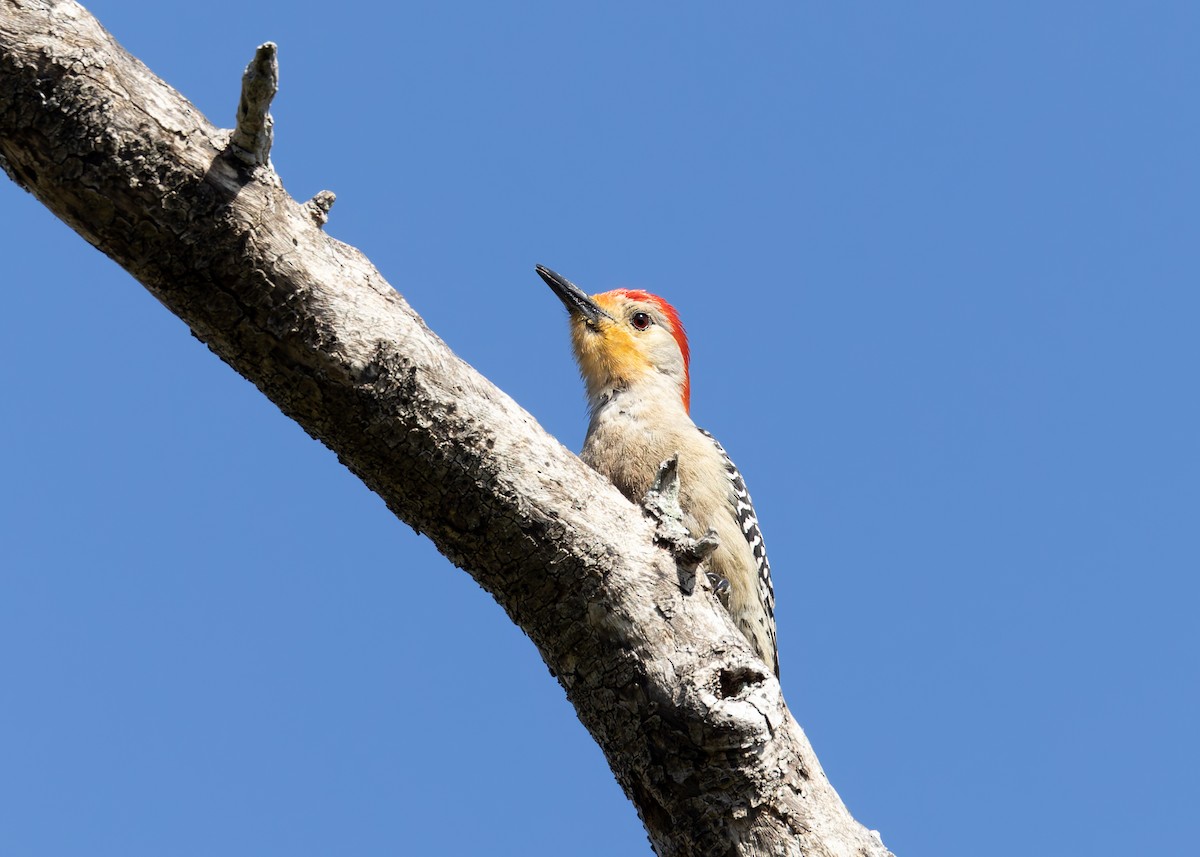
<point x="720" y="585"/>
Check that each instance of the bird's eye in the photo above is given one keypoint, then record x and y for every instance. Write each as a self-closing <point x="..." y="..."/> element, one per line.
<point x="641" y="320"/>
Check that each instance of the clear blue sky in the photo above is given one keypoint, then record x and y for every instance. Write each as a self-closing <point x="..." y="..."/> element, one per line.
<point x="939" y="264"/>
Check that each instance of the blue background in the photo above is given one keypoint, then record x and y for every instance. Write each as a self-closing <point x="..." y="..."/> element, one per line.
<point x="938" y="262"/>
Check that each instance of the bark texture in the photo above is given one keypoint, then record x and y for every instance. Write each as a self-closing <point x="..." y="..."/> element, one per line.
<point x="694" y="726"/>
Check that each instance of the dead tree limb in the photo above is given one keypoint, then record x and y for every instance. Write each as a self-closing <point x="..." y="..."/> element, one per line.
<point x="694" y="727"/>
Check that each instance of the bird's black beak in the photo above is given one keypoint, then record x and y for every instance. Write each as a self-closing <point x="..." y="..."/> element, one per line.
<point x="573" y="297"/>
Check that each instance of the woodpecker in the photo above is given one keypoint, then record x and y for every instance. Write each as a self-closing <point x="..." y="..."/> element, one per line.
<point x="633" y="355"/>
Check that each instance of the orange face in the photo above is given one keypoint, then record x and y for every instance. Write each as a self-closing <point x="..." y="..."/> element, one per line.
<point x="623" y="338"/>
<point x="638" y="334"/>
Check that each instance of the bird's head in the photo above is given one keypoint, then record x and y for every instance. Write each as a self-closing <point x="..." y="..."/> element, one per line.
<point x="624" y="339"/>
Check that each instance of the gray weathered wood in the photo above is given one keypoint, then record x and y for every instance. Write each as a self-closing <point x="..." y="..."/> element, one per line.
<point x="255" y="129"/>
<point x="694" y="726"/>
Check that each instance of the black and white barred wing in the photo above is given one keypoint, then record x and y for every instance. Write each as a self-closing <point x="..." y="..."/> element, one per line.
<point x="748" y="521"/>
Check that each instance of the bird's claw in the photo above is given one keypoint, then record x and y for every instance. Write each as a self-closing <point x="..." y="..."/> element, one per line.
<point x="720" y="584"/>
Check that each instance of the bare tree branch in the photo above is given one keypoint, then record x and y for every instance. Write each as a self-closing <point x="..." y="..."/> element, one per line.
<point x="694" y="727"/>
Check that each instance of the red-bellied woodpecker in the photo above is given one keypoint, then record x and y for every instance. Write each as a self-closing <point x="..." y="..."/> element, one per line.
<point x="633" y="355"/>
